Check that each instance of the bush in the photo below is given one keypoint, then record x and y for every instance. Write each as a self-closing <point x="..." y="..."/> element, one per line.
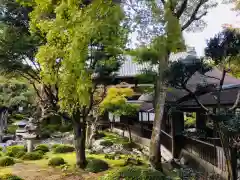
<point x="42" y="147"/>
<point x="134" y="173"/>
<point x="20" y="154"/>
<point x="66" y="128"/>
<point x="106" y="143"/>
<point x="12" y="151"/>
<point x="130" y="145"/>
<point x="10" y="177"/>
<point x="99" y="135"/>
<point x="6" y="161"/>
<point x="63" y="149"/>
<point x="32" y="156"/>
<point x="11" y="129"/>
<point x="55" y="146"/>
<point x="96" y="165"/>
<point x="1" y="148"/>
<point x="56" y="161"/>
<point x="45" y="134"/>
<point x="18" y="116"/>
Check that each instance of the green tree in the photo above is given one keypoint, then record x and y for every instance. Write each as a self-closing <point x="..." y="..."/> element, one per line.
<point x="224" y="50"/>
<point x="116" y="103"/>
<point x="15" y="93"/>
<point x="70" y="29"/>
<point x="18" y="48"/>
<point x="161" y="25"/>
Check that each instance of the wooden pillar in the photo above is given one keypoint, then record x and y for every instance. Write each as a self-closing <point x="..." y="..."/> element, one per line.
<point x="177" y="128"/>
<point x="234" y="162"/>
<point x="201" y="120"/>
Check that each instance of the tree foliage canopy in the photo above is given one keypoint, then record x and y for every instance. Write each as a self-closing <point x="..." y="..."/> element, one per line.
<point x="116" y="102"/>
<point x="75" y="32"/>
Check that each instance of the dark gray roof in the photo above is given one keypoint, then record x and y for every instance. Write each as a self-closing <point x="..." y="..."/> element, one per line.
<point x="131" y="68"/>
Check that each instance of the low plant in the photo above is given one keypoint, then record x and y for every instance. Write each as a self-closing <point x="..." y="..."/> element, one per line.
<point x="42" y="147"/>
<point x="55" y="145"/>
<point x="106" y="143"/>
<point x="12" y="151"/>
<point x="134" y="173"/>
<point x="99" y="135"/>
<point x="6" y="161"/>
<point x="9" y="177"/>
<point x="96" y="165"/>
<point x="32" y="156"/>
<point x="56" y="161"/>
<point x="63" y="149"/>
<point x="20" y="154"/>
<point x="11" y="129"/>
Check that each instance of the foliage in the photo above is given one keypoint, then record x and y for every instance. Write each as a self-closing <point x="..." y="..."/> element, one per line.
<point x="6" y="161"/>
<point x="15" y="92"/>
<point x="96" y="165"/>
<point x="116" y="102"/>
<point x="75" y="28"/>
<point x="66" y="128"/>
<point x="32" y="156"/>
<point x="190" y="120"/>
<point x="224" y="50"/>
<point x="106" y="143"/>
<point x="42" y="147"/>
<point x="12" y="151"/>
<point x="10" y="177"/>
<point x="19" y="154"/>
<point x="132" y="173"/>
<point x="56" y="161"/>
<point x="11" y="129"/>
<point x="55" y="146"/>
<point x="99" y="135"/>
<point x="63" y="149"/>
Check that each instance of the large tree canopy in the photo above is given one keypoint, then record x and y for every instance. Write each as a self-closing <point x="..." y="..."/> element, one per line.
<point x="224" y="50"/>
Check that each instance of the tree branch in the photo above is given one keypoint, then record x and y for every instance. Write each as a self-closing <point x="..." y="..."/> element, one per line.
<point x="196" y="99"/>
<point x="193" y="16"/>
<point x="182" y="8"/>
<point x="236" y="102"/>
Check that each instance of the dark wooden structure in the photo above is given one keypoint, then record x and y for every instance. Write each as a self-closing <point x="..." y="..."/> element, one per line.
<point x="172" y="138"/>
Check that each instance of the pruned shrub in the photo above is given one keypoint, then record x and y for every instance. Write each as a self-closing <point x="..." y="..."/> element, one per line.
<point x="1" y="148"/>
<point x="42" y="147"/>
<point x="132" y="162"/>
<point x="32" y="156"/>
<point x="56" y="161"/>
<point x="20" y="154"/>
<point x="55" y="145"/>
<point x="110" y="156"/>
<point x="106" y="143"/>
<point x="130" y="145"/>
<point x="66" y="128"/>
<point x="96" y="165"/>
<point x="9" y="177"/>
<point x="6" y="161"/>
<point x="11" y="129"/>
<point x="12" y="151"/>
<point x="99" y="135"/>
<point x="63" y="149"/>
<point x="132" y="173"/>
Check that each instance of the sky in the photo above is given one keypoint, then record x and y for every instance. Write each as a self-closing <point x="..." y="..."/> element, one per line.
<point x="215" y="19"/>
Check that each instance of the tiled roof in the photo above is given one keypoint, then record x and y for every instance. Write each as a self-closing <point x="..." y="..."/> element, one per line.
<point x="132" y="68"/>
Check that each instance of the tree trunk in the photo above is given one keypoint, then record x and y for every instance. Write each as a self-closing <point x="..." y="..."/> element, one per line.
<point x="160" y="96"/>
<point x="80" y="139"/>
<point x="94" y="132"/>
<point x="130" y="134"/>
<point x="155" y="144"/>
